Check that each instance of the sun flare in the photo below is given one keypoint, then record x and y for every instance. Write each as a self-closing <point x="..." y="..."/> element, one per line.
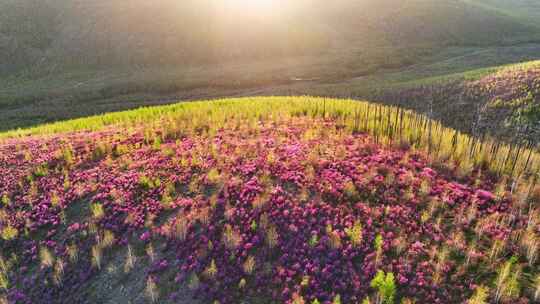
<point x="259" y="6"/>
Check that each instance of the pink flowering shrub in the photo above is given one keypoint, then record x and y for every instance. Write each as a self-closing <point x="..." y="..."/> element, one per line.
<point x="270" y="210"/>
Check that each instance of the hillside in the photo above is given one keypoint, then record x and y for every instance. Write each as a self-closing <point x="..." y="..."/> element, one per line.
<point x="318" y="201"/>
<point x="526" y="10"/>
<point x="224" y="151"/>
<point x="104" y="33"/>
<point x="71" y="59"/>
<point x="500" y="101"/>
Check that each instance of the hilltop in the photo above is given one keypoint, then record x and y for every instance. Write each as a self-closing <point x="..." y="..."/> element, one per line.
<point x="78" y="58"/>
<point x="317" y="201"/>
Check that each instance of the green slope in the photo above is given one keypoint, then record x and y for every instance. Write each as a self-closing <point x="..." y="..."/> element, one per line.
<point x="503" y="101"/>
<point x="104" y="33"/>
<point x="76" y="58"/>
<point x="528" y="11"/>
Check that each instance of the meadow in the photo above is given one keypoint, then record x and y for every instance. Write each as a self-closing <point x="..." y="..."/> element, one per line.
<point x="266" y="200"/>
<point x="67" y="62"/>
<point x="30" y="100"/>
<point x="502" y="101"/>
<point x="126" y="177"/>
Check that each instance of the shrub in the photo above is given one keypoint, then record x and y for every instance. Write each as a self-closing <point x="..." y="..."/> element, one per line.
<point x="507" y="281"/>
<point x="378" y="248"/>
<point x="272" y="236"/>
<point x="355" y="233"/>
<point x="5" y="200"/>
<point x="9" y="233"/>
<point x="46" y="257"/>
<point x="4" y="280"/>
<point x="385" y="286"/>
<point x="211" y="271"/>
<point x="97" y="211"/>
<point x="480" y="295"/>
<point x="73" y="252"/>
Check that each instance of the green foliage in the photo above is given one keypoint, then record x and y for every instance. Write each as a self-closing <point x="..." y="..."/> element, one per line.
<point x="536" y="287"/>
<point x="379" y="241"/>
<point x="101" y="150"/>
<point x="148" y="183"/>
<point x="211" y="270"/>
<point x="385" y="286"/>
<point x="67" y="155"/>
<point x="4" y="281"/>
<point x="97" y="211"/>
<point x="355" y="233"/>
<point x="250" y="111"/>
<point x="152" y="290"/>
<point x="9" y="233"/>
<point x="213" y="176"/>
<point x="46" y="257"/>
<point x="193" y="281"/>
<point x="507" y="281"/>
<point x="254" y="226"/>
<point x="156" y="145"/>
<point x="41" y="171"/>
<point x="526" y="120"/>
<point x="314" y="240"/>
<point x="5" y="200"/>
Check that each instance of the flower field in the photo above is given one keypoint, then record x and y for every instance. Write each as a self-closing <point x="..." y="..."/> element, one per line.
<point x="270" y="200"/>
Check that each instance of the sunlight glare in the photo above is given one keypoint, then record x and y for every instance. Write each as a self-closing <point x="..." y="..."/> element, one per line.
<point x="253" y="6"/>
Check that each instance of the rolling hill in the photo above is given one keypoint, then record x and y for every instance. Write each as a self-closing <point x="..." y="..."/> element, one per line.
<point x="427" y="194"/>
<point x="318" y="201"/>
<point x="103" y="33"/>
<point x="502" y="101"/>
<point x="526" y="10"/>
<point x="78" y="58"/>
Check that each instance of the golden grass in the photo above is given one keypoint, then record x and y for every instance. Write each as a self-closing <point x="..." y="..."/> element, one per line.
<point x="387" y="124"/>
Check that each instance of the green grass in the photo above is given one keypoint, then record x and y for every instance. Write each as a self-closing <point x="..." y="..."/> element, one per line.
<point x="71" y="92"/>
<point x="28" y="100"/>
<point x="354" y="52"/>
<point x="456" y="64"/>
<point x="469" y="75"/>
<point x="387" y="124"/>
<point x="463" y="100"/>
<point x="527" y="11"/>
